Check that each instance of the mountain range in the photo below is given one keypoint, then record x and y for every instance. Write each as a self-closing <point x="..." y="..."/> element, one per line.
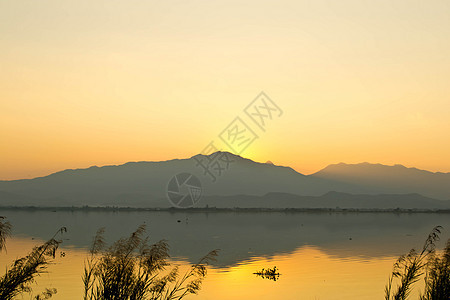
<point x="233" y="181"/>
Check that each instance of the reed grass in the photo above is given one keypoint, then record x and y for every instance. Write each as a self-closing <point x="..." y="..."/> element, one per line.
<point x="131" y="269"/>
<point x="21" y="274"/>
<point x="437" y="280"/>
<point x="411" y="267"/>
<point x="5" y="232"/>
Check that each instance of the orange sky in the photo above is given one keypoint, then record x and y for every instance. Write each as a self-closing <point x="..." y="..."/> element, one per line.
<point x="93" y="83"/>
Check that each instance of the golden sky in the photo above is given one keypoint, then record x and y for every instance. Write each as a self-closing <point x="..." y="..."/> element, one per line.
<point x="105" y="82"/>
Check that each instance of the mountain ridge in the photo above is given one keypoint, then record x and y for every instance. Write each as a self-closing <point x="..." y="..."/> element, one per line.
<point x="396" y="178"/>
<point x="270" y="163"/>
<point x="144" y="183"/>
<point x="340" y="164"/>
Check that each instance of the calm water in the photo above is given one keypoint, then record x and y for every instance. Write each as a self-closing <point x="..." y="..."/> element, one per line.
<point x="320" y="255"/>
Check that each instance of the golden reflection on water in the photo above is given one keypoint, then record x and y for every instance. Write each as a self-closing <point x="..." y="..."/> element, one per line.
<point x="307" y="273"/>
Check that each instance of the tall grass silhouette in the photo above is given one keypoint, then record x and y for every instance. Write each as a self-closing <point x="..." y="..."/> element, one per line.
<point x="437" y="281"/>
<point x="23" y="271"/>
<point x="410" y="267"/>
<point x="5" y="232"/>
<point x="131" y="269"/>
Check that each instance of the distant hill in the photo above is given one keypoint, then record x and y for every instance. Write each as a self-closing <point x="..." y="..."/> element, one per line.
<point x="376" y="178"/>
<point x="144" y="184"/>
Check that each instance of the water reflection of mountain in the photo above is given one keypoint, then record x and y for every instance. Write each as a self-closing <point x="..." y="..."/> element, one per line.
<point x="241" y="236"/>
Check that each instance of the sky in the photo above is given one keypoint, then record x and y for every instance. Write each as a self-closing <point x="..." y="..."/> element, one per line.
<point x="87" y="83"/>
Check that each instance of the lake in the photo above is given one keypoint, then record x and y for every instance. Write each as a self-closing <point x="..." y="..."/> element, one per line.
<point x="322" y="255"/>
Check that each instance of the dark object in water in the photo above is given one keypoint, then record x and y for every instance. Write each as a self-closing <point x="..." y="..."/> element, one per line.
<point x="271" y="274"/>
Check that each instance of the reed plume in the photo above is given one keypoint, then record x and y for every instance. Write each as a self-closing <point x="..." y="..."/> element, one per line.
<point x="131" y="269"/>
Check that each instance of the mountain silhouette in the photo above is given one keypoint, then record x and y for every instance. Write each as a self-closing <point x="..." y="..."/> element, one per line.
<point x="144" y="184"/>
<point x="373" y="178"/>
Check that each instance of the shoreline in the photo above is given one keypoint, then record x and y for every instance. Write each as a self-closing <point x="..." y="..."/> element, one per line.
<point x="218" y="210"/>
